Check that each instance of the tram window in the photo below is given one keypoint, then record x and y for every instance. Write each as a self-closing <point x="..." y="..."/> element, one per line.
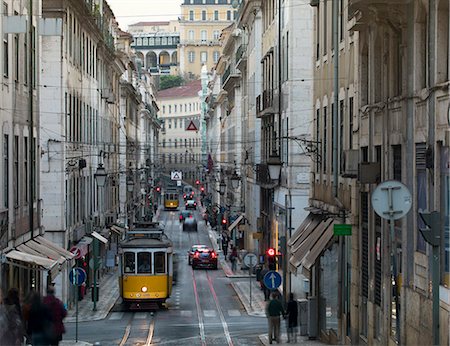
<point x="144" y="262"/>
<point x="160" y="262"/>
<point x="129" y="262"/>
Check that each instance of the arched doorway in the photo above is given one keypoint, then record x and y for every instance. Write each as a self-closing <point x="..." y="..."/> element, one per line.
<point x="150" y="60"/>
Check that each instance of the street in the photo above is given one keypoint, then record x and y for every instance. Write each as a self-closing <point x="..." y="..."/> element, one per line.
<point x="203" y="309"/>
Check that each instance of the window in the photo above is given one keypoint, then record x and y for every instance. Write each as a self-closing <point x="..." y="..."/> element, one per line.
<point x="164" y="109"/>
<point x="129" y="262"/>
<point x="144" y="260"/>
<point x="216" y="34"/>
<point x="175" y="126"/>
<point x="228" y="15"/>
<point x="170" y="124"/>
<point x="350" y="123"/>
<point x="16" y="170"/>
<point x="5" y="45"/>
<point x="175" y="108"/>
<point x="6" y="170"/>
<point x="191" y="35"/>
<point x="324" y="141"/>
<point x="160" y="262"/>
<point x="341" y="136"/>
<point x="216" y="55"/>
<point x="445" y="212"/>
<point x="325" y="29"/>
<point x="203" y="35"/>
<point x="16" y="56"/>
<point x="318" y="140"/>
<point x="191" y="15"/>
<point x="216" y="15"/>
<point x="25" y="167"/>
<point x="25" y="59"/>
<point x="170" y="109"/>
<point x="203" y="57"/>
<point x="191" y="57"/>
<point x="164" y="143"/>
<point x="203" y="15"/>
<point x="234" y="15"/>
<point x="421" y="181"/>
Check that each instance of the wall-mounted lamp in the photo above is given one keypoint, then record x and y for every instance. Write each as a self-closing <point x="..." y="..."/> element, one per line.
<point x="274" y="164"/>
<point x="130" y="184"/>
<point x="100" y="175"/>
<point x="222" y="187"/>
<point x="235" y="180"/>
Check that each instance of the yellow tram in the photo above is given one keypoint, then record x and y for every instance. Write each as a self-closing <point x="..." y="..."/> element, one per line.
<point x="146" y="266"/>
<point x="171" y="200"/>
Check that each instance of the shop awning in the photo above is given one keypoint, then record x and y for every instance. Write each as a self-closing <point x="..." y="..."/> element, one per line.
<point x="235" y="223"/>
<point x="42" y="263"/>
<point x="34" y="248"/>
<point x="308" y="242"/>
<point x="63" y="252"/>
<point x="117" y="229"/>
<point x="99" y="237"/>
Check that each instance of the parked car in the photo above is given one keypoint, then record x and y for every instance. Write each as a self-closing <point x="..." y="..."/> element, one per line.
<point x="185" y="214"/>
<point x="190" y="225"/>
<point x="191" y="204"/>
<point x="192" y="251"/>
<point x="204" y="258"/>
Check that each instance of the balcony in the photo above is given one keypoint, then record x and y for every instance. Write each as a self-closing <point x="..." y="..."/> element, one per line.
<point x="230" y="75"/>
<point x="263" y="177"/>
<point x="241" y="55"/>
<point x="265" y="103"/>
<point x="200" y="43"/>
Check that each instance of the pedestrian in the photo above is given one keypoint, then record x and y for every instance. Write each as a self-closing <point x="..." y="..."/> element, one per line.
<point x="292" y="313"/>
<point x="274" y="309"/>
<point x="234" y="258"/>
<point x="58" y="312"/>
<point x="155" y="208"/>
<point x="266" y="291"/>
<point x="225" y="245"/>
<point x="11" y="325"/>
<point x="40" y="326"/>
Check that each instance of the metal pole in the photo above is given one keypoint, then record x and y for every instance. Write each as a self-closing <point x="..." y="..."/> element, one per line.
<point x="336" y="95"/>
<point x="30" y="118"/>
<point x="394" y="273"/>
<point x="75" y="274"/>
<point x="95" y="262"/>
<point x="250" y="278"/>
<point x="436" y="273"/>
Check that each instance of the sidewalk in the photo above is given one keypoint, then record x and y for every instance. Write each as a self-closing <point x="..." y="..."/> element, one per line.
<point x="301" y="340"/>
<point x="108" y="294"/>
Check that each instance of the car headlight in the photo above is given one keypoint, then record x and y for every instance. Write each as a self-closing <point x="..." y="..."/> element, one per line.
<point x="144" y="289"/>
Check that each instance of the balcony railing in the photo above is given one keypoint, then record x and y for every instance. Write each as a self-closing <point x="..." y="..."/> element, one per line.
<point x="258" y="105"/>
<point x="229" y="73"/>
<point x="267" y="99"/>
<point x="240" y="52"/>
<point x="262" y="175"/>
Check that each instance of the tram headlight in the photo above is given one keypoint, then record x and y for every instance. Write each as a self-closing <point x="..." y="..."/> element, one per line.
<point x="144" y="289"/>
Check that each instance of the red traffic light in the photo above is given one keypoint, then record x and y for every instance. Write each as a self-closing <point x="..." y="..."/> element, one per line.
<point x="158" y="189"/>
<point x="202" y="188"/>
<point x="197" y="182"/>
<point x="271" y="252"/>
<point x="224" y="221"/>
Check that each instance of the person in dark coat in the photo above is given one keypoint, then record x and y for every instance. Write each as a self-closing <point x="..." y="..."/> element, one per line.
<point x="292" y="322"/>
<point x="266" y="291"/>
<point x="11" y="323"/>
<point x="58" y="313"/>
<point x="274" y="309"/>
<point x="40" y="326"/>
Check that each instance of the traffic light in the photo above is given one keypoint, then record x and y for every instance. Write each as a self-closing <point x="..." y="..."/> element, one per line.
<point x="197" y="182"/>
<point x="224" y="223"/>
<point x="271" y="258"/>
<point x="202" y="189"/>
<point x="158" y="189"/>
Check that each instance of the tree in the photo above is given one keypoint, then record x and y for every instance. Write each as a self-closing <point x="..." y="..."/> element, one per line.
<point x="167" y="82"/>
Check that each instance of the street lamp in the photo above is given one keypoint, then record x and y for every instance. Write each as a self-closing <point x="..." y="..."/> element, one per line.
<point x="130" y="184"/>
<point x="222" y="187"/>
<point x="235" y="181"/>
<point x="274" y="164"/>
<point x="100" y="175"/>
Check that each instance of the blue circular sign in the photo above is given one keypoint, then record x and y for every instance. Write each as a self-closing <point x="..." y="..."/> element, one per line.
<point x="77" y="276"/>
<point x="272" y="280"/>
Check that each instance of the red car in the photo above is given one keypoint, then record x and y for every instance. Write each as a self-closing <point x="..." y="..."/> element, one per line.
<point x="204" y="258"/>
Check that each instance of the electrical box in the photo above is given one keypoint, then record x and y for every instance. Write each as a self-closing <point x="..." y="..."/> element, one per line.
<point x="313" y="317"/>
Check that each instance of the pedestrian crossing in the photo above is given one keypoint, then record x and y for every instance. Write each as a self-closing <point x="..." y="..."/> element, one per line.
<point x="114" y="316"/>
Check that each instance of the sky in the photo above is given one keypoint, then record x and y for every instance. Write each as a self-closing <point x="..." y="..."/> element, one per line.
<point x="133" y="11"/>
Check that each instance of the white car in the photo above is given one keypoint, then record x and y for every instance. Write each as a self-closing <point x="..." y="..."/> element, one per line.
<point x="191" y="204"/>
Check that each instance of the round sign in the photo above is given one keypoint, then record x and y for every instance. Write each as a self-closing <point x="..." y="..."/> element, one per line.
<point x="76" y="251"/>
<point x="391" y="200"/>
<point x="272" y="280"/>
<point x="250" y="260"/>
<point x="77" y="276"/>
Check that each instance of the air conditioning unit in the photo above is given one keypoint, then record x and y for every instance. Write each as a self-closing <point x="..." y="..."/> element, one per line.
<point x="350" y="164"/>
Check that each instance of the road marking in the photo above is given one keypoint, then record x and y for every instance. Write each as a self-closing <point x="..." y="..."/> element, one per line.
<point x="209" y="313"/>
<point x="116" y="316"/>
<point x="219" y="309"/>
<point x="186" y="313"/>
<point x="151" y="330"/>
<point x="234" y="313"/>
<point x="199" y="314"/>
<point x="140" y="315"/>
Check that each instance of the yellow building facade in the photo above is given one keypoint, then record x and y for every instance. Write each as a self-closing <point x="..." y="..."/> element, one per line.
<point x="201" y="24"/>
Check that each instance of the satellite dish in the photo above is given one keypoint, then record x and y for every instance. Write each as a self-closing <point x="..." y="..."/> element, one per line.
<point x="235" y="3"/>
<point x="391" y="200"/>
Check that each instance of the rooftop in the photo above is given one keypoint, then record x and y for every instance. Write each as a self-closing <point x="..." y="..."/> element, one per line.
<point x="150" y="23"/>
<point x="187" y="90"/>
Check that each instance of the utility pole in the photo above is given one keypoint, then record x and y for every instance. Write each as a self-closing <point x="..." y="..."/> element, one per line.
<point x="31" y="142"/>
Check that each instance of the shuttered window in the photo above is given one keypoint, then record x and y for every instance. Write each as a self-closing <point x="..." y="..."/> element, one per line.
<point x="421" y="181"/>
<point x="364" y="244"/>
<point x="377" y="261"/>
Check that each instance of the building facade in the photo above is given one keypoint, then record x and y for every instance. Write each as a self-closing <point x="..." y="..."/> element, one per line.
<point x="200" y="25"/>
<point x="180" y="139"/>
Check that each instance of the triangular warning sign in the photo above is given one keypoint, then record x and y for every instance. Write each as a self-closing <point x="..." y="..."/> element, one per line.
<point x="191" y="127"/>
<point x="176" y="176"/>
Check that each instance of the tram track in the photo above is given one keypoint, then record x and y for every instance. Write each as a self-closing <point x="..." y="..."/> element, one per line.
<point x="129" y="338"/>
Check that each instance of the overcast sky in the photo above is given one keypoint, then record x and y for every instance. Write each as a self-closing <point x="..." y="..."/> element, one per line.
<point x="133" y="11"/>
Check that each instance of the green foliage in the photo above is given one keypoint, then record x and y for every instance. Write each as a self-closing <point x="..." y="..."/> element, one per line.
<point x="167" y="82"/>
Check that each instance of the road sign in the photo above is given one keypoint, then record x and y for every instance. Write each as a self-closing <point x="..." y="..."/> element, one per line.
<point x="250" y="260"/>
<point x="178" y="182"/>
<point x="76" y="251"/>
<point x="272" y="280"/>
<point x="391" y="200"/>
<point x="175" y="175"/>
<point x="77" y="276"/>
<point x="342" y="229"/>
<point x="191" y="126"/>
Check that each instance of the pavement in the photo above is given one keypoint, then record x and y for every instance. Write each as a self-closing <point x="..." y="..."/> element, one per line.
<point x="108" y="294"/>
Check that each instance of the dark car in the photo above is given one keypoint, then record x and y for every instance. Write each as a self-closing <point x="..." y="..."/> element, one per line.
<point x="191" y="204"/>
<point x="204" y="258"/>
<point x="192" y="251"/>
<point x="190" y="224"/>
<point x="185" y="214"/>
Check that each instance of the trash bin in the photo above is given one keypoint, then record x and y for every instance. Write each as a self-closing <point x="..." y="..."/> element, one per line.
<point x="95" y="293"/>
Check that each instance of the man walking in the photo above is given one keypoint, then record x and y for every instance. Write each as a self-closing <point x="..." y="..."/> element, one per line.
<point x="292" y="312"/>
<point x="274" y="309"/>
<point x="58" y="312"/>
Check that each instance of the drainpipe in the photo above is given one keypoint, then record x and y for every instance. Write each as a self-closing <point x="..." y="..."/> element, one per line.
<point x="31" y="152"/>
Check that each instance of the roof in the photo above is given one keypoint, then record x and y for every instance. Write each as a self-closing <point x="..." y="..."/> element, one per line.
<point x="149" y="23"/>
<point x="187" y="90"/>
